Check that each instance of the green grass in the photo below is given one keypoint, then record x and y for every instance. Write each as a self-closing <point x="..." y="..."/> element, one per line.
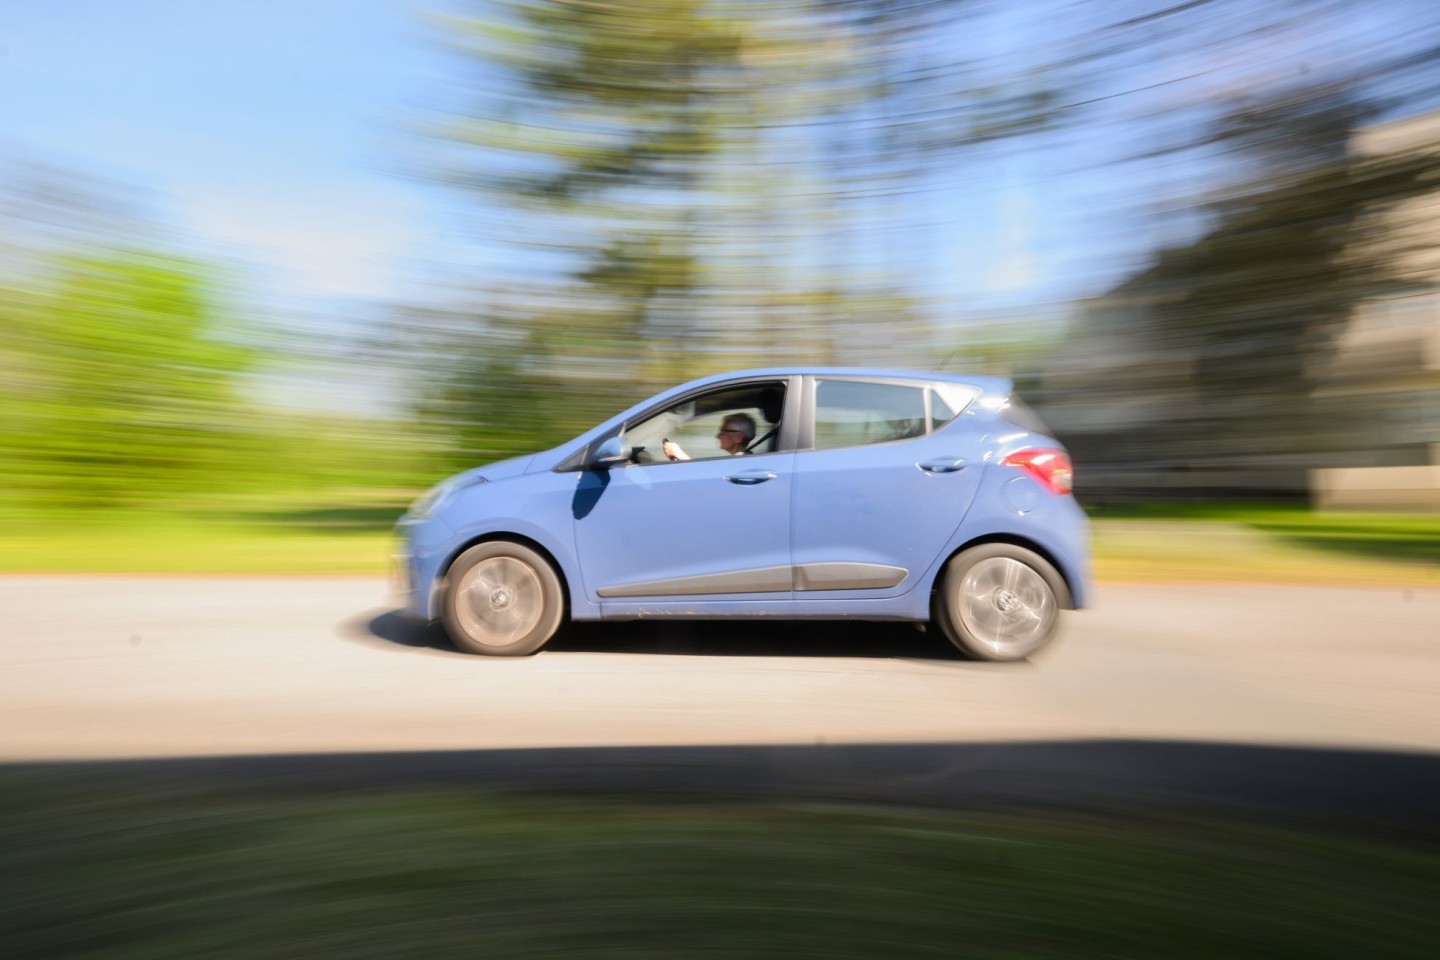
<point x="120" y="869"/>
<point x="349" y="534"/>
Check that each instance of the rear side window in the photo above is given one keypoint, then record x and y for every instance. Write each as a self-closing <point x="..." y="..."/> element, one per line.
<point x="851" y="413"/>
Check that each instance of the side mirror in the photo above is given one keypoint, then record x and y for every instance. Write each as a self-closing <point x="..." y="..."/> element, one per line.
<point x="613" y="451"/>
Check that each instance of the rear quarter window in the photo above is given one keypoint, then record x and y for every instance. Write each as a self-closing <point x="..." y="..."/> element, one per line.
<point x="948" y="401"/>
<point x="1015" y="411"/>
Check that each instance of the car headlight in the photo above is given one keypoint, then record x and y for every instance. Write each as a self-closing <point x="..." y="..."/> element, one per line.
<point x="437" y="496"/>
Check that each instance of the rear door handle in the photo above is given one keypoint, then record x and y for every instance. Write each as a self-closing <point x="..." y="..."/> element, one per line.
<point x="751" y="477"/>
<point x="942" y="465"/>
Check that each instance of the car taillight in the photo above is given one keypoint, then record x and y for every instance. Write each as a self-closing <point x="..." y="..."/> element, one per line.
<point x="1050" y="467"/>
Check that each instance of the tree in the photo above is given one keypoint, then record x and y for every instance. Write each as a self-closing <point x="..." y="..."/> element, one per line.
<point x="672" y="187"/>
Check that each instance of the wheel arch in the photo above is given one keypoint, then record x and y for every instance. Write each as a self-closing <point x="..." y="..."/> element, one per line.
<point x="442" y="575"/>
<point x="1014" y="540"/>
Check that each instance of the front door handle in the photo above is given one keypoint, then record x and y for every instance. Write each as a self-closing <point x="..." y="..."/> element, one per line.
<point x="942" y="465"/>
<point x="751" y="477"/>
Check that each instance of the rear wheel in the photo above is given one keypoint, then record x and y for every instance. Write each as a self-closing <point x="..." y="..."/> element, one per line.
<point x="998" y="601"/>
<point x="503" y="599"/>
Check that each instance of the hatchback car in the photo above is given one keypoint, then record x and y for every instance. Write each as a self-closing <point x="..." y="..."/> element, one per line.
<point x="802" y="494"/>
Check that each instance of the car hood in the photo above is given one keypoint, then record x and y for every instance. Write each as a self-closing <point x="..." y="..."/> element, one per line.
<point x="500" y="470"/>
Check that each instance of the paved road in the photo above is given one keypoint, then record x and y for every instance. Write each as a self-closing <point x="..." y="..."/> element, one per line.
<point x="105" y="667"/>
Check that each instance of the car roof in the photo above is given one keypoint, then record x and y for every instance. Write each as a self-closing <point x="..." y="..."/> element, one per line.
<point x="991" y="385"/>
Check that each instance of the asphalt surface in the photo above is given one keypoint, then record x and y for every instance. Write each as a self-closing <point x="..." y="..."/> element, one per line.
<point x="1283" y="701"/>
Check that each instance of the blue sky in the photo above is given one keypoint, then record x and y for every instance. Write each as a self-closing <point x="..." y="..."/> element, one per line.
<point x="262" y="131"/>
<point x="274" y="133"/>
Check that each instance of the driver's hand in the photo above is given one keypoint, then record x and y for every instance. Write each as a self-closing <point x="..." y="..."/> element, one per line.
<point x="673" y="451"/>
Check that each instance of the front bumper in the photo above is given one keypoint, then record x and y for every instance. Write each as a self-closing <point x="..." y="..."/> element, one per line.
<point x="416" y="562"/>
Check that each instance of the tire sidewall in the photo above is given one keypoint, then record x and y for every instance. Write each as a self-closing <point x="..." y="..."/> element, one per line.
<point x="553" y="599"/>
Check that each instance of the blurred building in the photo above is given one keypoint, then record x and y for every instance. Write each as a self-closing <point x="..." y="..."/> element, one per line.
<point x="1388" y="357"/>
<point x="1128" y="393"/>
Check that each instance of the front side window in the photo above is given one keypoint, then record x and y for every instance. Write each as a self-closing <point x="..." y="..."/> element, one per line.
<point x="734" y="421"/>
<point x="850" y="413"/>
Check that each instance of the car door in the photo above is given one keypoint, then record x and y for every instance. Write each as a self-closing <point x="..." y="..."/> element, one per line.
<point x="881" y="490"/>
<point x="716" y="527"/>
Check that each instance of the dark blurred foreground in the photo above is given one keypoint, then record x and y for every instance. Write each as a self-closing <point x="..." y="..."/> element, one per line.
<point x="1002" y="850"/>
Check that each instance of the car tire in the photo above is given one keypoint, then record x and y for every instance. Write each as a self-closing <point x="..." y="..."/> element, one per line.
<point x="1000" y="602"/>
<point x="502" y="599"/>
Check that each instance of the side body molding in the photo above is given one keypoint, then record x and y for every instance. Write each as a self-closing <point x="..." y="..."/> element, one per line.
<point x="781" y="579"/>
<point x="847" y="576"/>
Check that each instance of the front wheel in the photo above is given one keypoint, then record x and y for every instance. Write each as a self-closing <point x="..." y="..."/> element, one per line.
<point x="503" y="599"/>
<point x="998" y="601"/>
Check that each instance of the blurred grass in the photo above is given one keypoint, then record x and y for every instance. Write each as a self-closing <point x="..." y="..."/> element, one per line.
<point x="257" y="534"/>
<point x="124" y="869"/>
<point x="1260" y="542"/>
<point x="349" y="533"/>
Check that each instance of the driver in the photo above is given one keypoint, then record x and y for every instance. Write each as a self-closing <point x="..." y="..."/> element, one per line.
<point x="735" y="433"/>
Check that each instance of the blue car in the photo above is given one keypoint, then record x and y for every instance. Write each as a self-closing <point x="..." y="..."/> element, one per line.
<point x="802" y="494"/>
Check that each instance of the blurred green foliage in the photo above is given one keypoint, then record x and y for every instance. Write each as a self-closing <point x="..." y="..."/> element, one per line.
<point x="125" y="386"/>
<point x="119" y="384"/>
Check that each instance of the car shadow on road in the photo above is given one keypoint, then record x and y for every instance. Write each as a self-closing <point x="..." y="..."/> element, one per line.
<point x="703" y="638"/>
